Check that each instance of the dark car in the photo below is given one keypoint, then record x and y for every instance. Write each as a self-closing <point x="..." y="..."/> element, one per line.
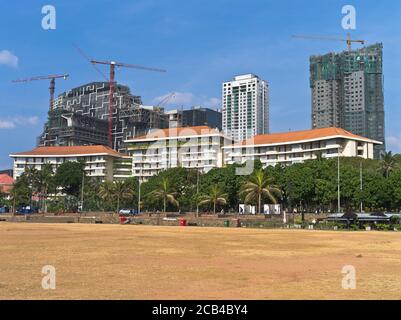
<point x="26" y="210"/>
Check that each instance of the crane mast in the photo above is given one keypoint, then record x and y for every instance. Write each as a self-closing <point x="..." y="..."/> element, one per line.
<point x="112" y="85"/>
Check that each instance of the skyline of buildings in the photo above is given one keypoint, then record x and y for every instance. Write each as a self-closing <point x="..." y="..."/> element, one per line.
<point x="347" y="92"/>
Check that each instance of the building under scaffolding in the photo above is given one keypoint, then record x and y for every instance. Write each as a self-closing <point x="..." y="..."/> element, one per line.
<point x="80" y="117"/>
<point x="347" y="92"/>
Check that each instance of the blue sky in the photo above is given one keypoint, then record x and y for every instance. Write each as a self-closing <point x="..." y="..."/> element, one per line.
<point x="200" y="43"/>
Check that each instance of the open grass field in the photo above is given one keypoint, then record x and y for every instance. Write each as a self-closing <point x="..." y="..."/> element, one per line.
<point x="145" y="262"/>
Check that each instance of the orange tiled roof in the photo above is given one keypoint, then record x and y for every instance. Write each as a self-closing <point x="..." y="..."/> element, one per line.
<point x="302" y="135"/>
<point x="6" y="183"/>
<point x="178" y="132"/>
<point x="70" y="150"/>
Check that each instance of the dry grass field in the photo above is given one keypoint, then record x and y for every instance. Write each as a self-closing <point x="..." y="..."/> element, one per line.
<point x="145" y="262"/>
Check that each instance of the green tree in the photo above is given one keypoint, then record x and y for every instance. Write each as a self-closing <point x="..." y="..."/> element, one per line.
<point x="258" y="187"/>
<point x="165" y="193"/>
<point x="131" y="201"/>
<point x="44" y="183"/>
<point x="92" y="199"/>
<point x="106" y="192"/>
<point x="3" y="200"/>
<point x="69" y="177"/>
<point x="388" y="163"/>
<point x="21" y="192"/>
<point x="183" y="181"/>
<point x="121" y="191"/>
<point x="215" y="197"/>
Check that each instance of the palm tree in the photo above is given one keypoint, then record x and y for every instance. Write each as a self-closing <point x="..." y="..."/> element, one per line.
<point x="258" y="187"/>
<point x="164" y="192"/>
<point x="44" y="181"/>
<point x="106" y="191"/>
<point x="215" y="197"/>
<point x="121" y="191"/>
<point x="388" y="163"/>
<point x="30" y="176"/>
<point x="117" y="190"/>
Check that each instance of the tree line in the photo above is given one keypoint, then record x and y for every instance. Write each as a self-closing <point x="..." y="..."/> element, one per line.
<point x="311" y="186"/>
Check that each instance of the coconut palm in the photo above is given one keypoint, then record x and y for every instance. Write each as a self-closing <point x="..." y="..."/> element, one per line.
<point x="215" y="197"/>
<point x="258" y="187"/>
<point x="121" y="191"/>
<point x="118" y="190"/>
<point x="165" y="193"/>
<point x="388" y="163"/>
<point x="106" y="191"/>
<point x="44" y="181"/>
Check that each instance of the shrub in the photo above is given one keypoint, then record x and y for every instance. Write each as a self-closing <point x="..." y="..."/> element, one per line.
<point x="395" y="220"/>
<point x="382" y="227"/>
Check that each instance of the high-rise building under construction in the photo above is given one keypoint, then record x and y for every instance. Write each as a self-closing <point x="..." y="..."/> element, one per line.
<point x="347" y="92"/>
<point x="80" y="117"/>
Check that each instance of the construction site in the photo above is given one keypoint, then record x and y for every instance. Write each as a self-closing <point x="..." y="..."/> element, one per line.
<point x="98" y="113"/>
<point x="81" y="117"/>
<point x="347" y="89"/>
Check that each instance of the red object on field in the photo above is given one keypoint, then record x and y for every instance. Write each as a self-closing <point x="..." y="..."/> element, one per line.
<point x="122" y="219"/>
<point x="183" y="222"/>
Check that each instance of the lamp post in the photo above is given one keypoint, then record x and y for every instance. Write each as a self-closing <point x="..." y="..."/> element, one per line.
<point x="338" y="182"/>
<point x="139" y="191"/>
<point x="361" y="179"/>
<point x="197" y="191"/>
<point x="82" y="191"/>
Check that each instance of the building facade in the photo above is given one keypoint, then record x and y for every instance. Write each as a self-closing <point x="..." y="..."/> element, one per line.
<point x="298" y="146"/>
<point x="196" y="116"/>
<point x="199" y="116"/>
<point x="188" y="147"/>
<point x="80" y="117"/>
<point x="100" y="161"/>
<point x="347" y="92"/>
<point x="245" y="107"/>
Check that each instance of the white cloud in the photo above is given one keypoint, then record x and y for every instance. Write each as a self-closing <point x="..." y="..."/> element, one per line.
<point x="7" y="58"/>
<point x="394" y="143"/>
<point x="16" y="121"/>
<point x="7" y="124"/>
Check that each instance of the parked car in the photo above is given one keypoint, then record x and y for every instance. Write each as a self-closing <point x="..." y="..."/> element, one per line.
<point x="4" y="210"/>
<point x="125" y="211"/>
<point x="26" y="210"/>
<point x="128" y="212"/>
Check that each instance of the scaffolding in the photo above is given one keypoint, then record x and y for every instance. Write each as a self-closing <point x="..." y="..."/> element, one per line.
<point x="80" y="117"/>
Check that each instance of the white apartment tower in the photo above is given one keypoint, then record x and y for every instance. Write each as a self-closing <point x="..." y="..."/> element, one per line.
<point x="245" y="107"/>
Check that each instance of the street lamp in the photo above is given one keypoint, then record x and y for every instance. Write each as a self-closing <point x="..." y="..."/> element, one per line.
<point x="139" y="191"/>
<point x="197" y="191"/>
<point x="82" y="191"/>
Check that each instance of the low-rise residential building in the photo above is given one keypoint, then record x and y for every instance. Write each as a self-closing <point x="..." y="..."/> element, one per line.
<point x="6" y="183"/>
<point x="100" y="161"/>
<point x="197" y="147"/>
<point x="299" y="146"/>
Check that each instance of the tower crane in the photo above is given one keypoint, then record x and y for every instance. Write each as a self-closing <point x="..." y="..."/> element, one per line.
<point x="166" y="99"/>
<point x="349" y="41"/>
<point x="112" y="84"/>
<point x="52" y="86"/>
